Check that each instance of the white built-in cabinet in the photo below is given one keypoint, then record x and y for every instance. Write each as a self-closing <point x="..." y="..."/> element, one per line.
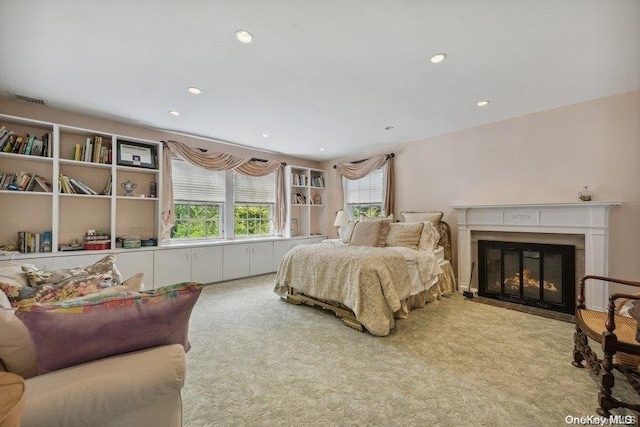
<point x="69" y="216"/>
<point x="247" y="259"/>
<point x="306" y="201"/>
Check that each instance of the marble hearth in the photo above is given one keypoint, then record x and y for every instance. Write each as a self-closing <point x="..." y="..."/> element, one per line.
<point x="584" y="225"/>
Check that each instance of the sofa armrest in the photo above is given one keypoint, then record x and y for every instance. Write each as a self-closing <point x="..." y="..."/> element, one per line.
<point x="95" y="393"/>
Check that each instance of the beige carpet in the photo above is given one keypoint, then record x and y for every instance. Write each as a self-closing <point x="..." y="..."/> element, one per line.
<point x="259" y="361"/>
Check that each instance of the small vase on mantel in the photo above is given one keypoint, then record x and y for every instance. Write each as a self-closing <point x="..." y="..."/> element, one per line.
<point x="585" y="195"/>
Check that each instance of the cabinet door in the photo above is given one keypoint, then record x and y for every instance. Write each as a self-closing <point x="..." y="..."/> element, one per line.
<point x="280" y="249"/>
<point x="171" y="266"/>
<point x="132" y="263"/>
<point x="206" y="264"/>
<point x="261" y="255"/>
<point x="236" y="261"/>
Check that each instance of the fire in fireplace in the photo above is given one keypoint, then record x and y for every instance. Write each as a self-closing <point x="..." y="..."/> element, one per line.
<point x="538" y="275"/>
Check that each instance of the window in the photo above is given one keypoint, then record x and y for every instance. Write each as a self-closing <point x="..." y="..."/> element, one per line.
<point x="199" y="201"/>
<point x="255" y="199"/>
<point x="364" y="196"/>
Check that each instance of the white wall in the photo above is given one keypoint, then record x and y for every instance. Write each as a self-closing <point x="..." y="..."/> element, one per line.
<point x="543" y="157"/>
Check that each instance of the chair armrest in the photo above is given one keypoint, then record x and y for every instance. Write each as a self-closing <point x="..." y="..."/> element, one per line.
<point x="581" y="300"/>
<point x="95" y="392"/>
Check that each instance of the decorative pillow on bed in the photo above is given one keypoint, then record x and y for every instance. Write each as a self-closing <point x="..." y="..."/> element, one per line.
<point x="104" y="271"/>
<point x="376" y="218"/>
<point x="405" y="234"/>
<point x="370" y="233"/>
<point x="434" y="217"/>
<point x="72" y="332"/>
<point x="429" y="237"/>
<point x="349" y="232"/>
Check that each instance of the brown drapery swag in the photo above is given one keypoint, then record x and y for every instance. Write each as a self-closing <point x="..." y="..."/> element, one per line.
<point x="362" y="168"/>
<point x="218" y="161"/>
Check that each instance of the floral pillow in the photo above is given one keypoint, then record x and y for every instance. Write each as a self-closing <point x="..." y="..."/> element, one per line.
<point x="104" y="271"/>
<point x="106" y="325"/>
<point x="50" y="292"/>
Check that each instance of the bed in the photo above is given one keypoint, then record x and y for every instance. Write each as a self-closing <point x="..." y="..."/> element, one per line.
<point x="369" y="286"/>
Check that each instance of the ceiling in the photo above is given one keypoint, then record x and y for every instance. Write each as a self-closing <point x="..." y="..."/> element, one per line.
<point x="330" y="74"/>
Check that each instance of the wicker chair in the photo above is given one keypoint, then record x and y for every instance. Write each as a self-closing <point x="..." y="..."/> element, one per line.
<point x="616" y="335"/>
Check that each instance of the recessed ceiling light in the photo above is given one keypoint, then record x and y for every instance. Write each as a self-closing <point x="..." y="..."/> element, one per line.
<point x="482" y="103"/>
<point x="438" y="57"/>
<point x="388" y="128"/>
<point x="265" y="135"/>
<point x="194" y="90"/>
<point x="174" y="113"/>
<point x="244" y="36"/>
<point x="322" y="149"/>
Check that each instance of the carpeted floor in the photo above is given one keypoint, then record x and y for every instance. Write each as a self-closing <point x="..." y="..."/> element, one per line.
<point x="259" y="361"/>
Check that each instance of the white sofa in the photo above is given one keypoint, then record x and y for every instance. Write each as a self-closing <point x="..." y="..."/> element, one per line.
<point x="135" y="389"/>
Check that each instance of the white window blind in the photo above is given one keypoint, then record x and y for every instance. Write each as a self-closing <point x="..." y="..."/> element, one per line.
<point x="365" y="190"/>
<point x="255" y="189"/>
<point x="194" y="183"/>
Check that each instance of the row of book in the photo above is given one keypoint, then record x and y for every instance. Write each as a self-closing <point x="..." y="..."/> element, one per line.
<point x="94" y="150"/>
<point x="24" y="182"/>
<point x="298" y="199"/>
<point x="69" y="185"/>
<point x="28" y="144"/>
<point x="34" y="242"/>
<point x="317" y="181"/>
<point x="299" y="180"/>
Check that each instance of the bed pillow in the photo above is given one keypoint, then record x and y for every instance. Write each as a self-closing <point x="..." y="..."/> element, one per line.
<point x="370" y="233"/>
<point x="132" y="284"/>
<point x="429" y="237"/>
<point x="104" y="270"/>
<point x="434" y="217"/>
<point x="17" y="353"/>
<point x="349" y="232"/>
<point x="404" y="234"/>
<point x="68" y="333"/>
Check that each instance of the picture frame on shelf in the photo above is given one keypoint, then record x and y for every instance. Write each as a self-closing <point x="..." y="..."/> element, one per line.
<point x="294" y="227"/>
<point x="137" y="154"/>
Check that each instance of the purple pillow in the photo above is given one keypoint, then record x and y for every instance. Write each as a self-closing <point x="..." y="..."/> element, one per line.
<point x="68" y="333"/>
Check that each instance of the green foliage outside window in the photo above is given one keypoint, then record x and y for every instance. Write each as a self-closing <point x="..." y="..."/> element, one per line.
<point x="368" y="210"/>
<point x="253" y="220"/>
<point x="197" y="220"/>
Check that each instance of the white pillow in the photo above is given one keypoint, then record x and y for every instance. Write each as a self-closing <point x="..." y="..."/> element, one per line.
<point x="434" y="217"/>
<point x="404" y="234"/>
<point x="13" y="274"/>
<point x="4" y="301"/>
<point x="429" y="238"/>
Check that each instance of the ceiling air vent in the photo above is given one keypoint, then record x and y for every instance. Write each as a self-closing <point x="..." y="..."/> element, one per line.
<point x="29" y="99"/>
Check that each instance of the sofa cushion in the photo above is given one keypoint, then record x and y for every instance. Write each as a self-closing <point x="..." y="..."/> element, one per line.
<point x="103" y="271"/>
<point x="17" y="353"/>
<point x="14" y="275"/>
<point x="434" y="216"/>
<point x="68" y="333"/>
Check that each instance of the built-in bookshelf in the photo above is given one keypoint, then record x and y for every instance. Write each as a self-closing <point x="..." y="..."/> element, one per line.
<point x="73" y="183"/>
<point x="306" y="201"/>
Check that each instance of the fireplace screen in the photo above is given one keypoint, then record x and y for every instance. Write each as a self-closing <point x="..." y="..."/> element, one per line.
<point x="538" y="275"/>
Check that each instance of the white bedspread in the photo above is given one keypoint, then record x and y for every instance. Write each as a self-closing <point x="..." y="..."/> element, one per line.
<point x="372" y="282"/>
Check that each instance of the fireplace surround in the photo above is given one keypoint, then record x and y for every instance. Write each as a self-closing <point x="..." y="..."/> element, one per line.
<point x="586" y="220"/>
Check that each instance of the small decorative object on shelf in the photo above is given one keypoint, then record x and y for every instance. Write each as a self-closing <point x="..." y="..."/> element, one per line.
<point x="97" y="241"/>
<point x="317" y="200"/>
<point x="585" y="195"/>
<point x="128" y="187"/>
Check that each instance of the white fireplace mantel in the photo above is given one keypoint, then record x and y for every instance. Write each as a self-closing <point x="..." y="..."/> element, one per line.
<point x="590" y="219"/>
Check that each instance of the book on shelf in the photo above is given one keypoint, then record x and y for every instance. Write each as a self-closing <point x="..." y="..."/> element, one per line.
<point x="36" y="148"/>
<point x="44" y="184"/>
<point x="81" y="187"/>
<point x="34" y="242"/>
<point x="107" y="188"/>
<point x="28" y="145"/>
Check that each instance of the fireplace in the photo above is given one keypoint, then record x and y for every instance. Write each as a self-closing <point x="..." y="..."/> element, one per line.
<point x="533" y="274"/>
<point x="588" y="220"/>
